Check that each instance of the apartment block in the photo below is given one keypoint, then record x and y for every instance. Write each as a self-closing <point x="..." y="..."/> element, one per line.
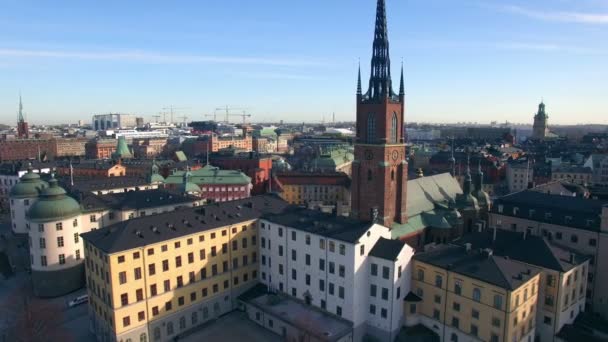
<point x="155" y="277"/>
<point x="463" y="294"/>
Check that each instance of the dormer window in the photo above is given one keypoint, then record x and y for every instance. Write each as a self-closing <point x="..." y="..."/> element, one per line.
<point x="515" y="210"/>
<point x="500" y="208"/>
<point x="568" y="219"/>
<point x="548" y="216"/>
<point x="531" y="212"/>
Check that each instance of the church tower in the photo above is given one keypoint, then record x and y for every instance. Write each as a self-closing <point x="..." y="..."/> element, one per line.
<point x="379" y="170"/>
<point x="540" y="128"/>
<point x="23" y="131"/>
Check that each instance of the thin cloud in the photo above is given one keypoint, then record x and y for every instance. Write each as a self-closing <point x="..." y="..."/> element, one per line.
<point x="157" y="58"/>
<point x="277" y="76"/>
<point x="571" y="17"/>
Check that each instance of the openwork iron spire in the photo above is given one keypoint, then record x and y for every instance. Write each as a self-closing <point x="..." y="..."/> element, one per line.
<point x="21" y="118"/>
<point x="359" y="80"/>
<point x="380" y="84"/>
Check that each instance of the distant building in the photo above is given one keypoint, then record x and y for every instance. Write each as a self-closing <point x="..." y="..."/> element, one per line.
<point x="255" y="165"/>
<point x="214" y="184"/>
<point x="329" y="192"/>
<point x="102" y="122"/>
<point x="69" y="147"/>
<point x="24" y="149"/>
<point x="580" y="175"/>
<point x="520" y="175"/>
<point x="540" y="129"/>
<point x="148" y="147"/>
<point x="100" y="148"/>
<point x="598" y="163"/>
<point x="215" y="143"/>
<point x="23" y="131"/>
<point x="91" y="168"/>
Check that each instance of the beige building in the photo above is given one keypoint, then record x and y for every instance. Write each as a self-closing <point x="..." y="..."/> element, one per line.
<point x="575" y="223"/>
<point x="573" y="174"/>
<point x="155" y="277"/>
<point x="463" y="294"/>
<point x="325" y="191"/>
<point x="563" y="281"/>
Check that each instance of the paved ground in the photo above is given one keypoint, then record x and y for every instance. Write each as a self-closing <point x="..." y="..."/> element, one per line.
<point x="233" y="327"/>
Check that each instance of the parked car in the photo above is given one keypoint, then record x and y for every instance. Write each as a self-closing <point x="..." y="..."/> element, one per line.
<point x="78" y="300"/>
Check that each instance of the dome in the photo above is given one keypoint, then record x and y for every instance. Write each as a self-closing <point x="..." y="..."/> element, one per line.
<point x="29" y="185"/>
<point x="483" y="198"/>
<point x="54" y="205"/>
<point x="156" y="178"/>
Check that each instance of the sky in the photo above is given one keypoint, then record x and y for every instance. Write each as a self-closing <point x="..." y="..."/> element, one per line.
<point x="464" y="60"/>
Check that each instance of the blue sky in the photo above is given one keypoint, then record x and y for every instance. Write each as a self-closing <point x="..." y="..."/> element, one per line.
<point x="465" y="60"/>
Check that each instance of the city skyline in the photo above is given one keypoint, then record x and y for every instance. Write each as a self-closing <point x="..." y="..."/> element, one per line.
<point x="470" y="61"/>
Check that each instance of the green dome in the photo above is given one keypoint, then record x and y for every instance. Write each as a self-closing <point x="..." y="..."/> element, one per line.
<point x="29" y="185"/>
<point x="54" y="205"/>
<point x="156" y="178"/>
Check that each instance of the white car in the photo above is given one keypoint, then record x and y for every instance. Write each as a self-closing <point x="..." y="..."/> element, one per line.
<point x="78" y="300"/>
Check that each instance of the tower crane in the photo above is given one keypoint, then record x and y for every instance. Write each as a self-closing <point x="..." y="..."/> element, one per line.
<point x="171" y="109"/>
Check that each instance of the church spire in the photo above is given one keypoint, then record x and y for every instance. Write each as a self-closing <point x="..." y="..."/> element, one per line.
<point x="466" y="184"/>
<point x="380" y="84"/>
<point x="359" y="80"/>
<point x="401" y="84"/>
<point x="21" y="118"/>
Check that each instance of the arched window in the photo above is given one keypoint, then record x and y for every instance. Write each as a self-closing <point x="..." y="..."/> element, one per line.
<point x="194" y="318"/>
<point x="371" y="129"/>
<point x="476" y="294"/>
<point x="143" y="337"/>
<point x="392" y="175"/>
<point x="182" y="323"/>
<point x="394" y="124"/>
<point x="169" y="328"/>
<point x="156" y="333"/>
<point x="369" y="175"/>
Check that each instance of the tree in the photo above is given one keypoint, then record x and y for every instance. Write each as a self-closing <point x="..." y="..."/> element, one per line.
<point x="31" y="319"/>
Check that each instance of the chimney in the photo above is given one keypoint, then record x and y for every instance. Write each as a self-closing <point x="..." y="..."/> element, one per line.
<point x="468" y="246"/>
<point x="525" y="233"/>
<point x="571" y="258"/>
<point x="493" y="234"/>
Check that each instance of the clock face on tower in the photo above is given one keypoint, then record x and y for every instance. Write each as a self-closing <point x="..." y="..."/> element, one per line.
<point x="369" y="155"/>
<point x="395" y="155"/>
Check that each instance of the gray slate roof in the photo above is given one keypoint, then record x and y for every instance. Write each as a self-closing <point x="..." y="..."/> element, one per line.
<point x="147" y="230"/>
<point x="387" y="249"/>
<point x="576" y="212"/>
<point x="315" y="222"/>
<point x="533" y="250"/>
<point x="495" y="270"/>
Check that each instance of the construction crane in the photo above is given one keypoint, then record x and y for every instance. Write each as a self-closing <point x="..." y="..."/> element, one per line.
<point x="183" y="117"/>
<point x="171" y="109"/>
<point x="227" y="110"/>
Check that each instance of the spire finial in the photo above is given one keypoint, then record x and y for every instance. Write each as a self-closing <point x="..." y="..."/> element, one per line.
<point x="380" y="84"/>
<point x="359" y="79"/>
<point x="401" y="83"/>
<point x="21" y="119"/>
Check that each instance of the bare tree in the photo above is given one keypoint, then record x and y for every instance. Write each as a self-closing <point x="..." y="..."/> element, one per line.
<point x="30" y="319"/>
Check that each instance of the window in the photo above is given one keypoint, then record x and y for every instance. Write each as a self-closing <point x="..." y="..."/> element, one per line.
<point x="383" y="313"/>
<point x="93" y="218"/>
<point x="362" y="250"/>
<point x="60" y="241"/>
<point x="339" y="311"/>
<point x="475" y="314"/>
<point x="547" y="320"/>
<point x="373" y="290"/>
<point x="456" y="306"/>
<point x="438" y="299"/>
<point x="321" y="264"/>
<point x="496" y="322"/>
<point x="139" y="295"/>
<point x="293" y="235"/>
<point x="341" y="271"/>
<point x="307" y="259"/>
<point x="592" y="242"/>
<point x="41" y="227"/>
<point x="458" y="287"/>
<point x="455" y="322"/>
<point x="153" y="290"/>
<point x="141" y="316"/>
<point x="436" y="314"/>
<point x="137" y="273"/>
<point x="293" y="255"/>
<point x="374" y="269"/>
<point x="573" y="238"/>
<point x="371" y="129"/>
<point x="322" y="243"/>
<point x="420" y="275"/>
<point x="384" y="293"/>
<point x="126" y="321"/>
<point x="321" y="285"/>
<point x="394" y="125"/>
<point x="136" y="255"/>
<point x="152" y="269"/>
<point x="76" y="237"/>
<point x="42" y="243"/>
<point x="498" y="301"/>
<point x="385" y="272"/>
<point x="342" y="249"/>
<point x="372" y="309"/>
<point x="438" y="280"/>
<point x="476" y="294"/>
<point x="122" y="277"/>
<point x="165" y="265"/>
<point x="59" y="226"/>
<point x="124" y="299"/>
<point x="474" y="330"/>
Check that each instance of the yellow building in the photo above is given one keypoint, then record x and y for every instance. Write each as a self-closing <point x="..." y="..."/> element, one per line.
<point x="153" y="278"/>
<point x="464" y="294"/>
<point x="325" y="191"/>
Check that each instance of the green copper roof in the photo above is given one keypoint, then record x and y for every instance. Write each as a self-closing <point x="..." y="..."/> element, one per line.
<point x="29" y="185"/>
<point x="334" y="159"/>
<point x="122" y="150"/>
<point x="210" y="175"/>
<point x="53" y="205"/>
